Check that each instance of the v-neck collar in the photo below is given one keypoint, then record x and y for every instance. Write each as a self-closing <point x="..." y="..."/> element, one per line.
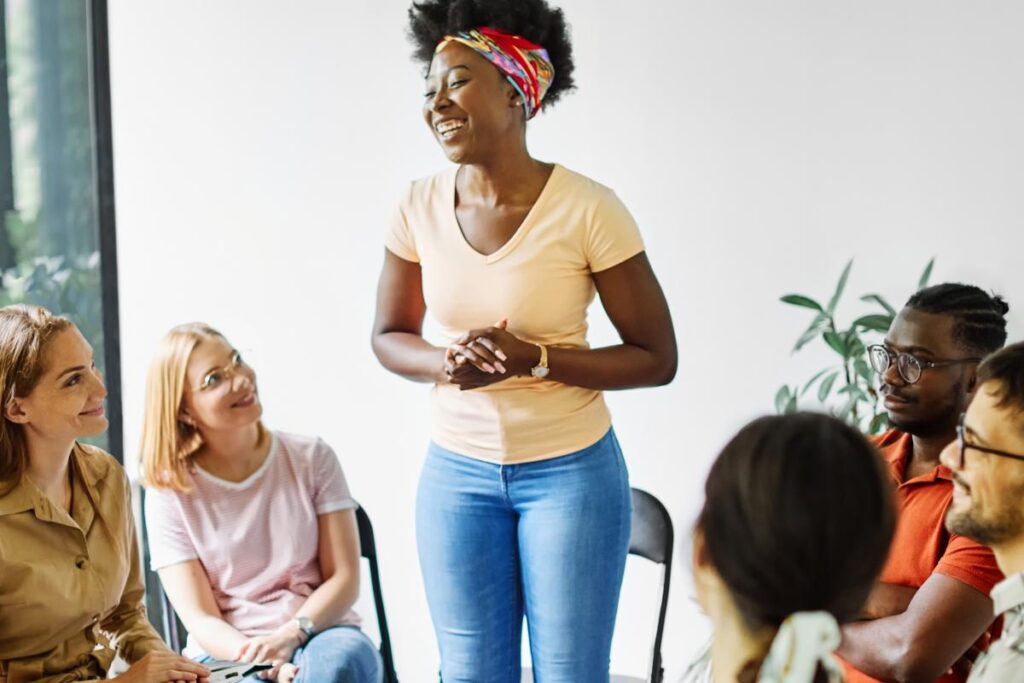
<point x="521" y="231"/>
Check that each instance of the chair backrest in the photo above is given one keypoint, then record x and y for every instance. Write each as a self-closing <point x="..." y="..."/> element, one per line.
<point x="652" y="538"/>
<point x="368" y="549"/>
<point x="158" y="607"/>
<point x="174" y="631"/>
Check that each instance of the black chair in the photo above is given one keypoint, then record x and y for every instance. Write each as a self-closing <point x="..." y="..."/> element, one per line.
<point x="174" y="631"/>
<point x="368" y="549"/>
<point x="652" y="538"/>
<point x="158" y="608"/>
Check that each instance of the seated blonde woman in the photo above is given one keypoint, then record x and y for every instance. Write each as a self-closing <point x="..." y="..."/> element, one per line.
<point x="252" y="532"/>
<point x="70" y="582"/>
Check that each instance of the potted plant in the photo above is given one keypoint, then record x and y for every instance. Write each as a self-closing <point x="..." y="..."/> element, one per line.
<point x="849" y="382"/>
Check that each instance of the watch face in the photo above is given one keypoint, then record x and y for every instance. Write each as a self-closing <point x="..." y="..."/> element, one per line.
<point x="539" y="372"/>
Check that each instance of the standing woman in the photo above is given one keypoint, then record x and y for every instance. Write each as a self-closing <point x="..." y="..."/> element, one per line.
<point x="71" y="594"/>
<point x="524" y="503"/>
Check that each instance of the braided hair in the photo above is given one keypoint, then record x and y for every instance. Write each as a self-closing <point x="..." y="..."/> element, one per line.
<point x="980" y="317"/>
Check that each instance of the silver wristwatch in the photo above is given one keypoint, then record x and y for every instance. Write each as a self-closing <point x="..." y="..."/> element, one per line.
<point x="305" y="624"/>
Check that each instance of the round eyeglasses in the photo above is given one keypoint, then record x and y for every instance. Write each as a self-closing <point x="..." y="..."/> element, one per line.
<point x="221" y="377"/>
<point x="910" y="367"/>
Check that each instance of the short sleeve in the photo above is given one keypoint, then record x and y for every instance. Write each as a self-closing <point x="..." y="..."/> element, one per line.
<point x="970" y="562"/>
<point x="612" y="234"/>
<point x="399" y="239"/>
<point x="169" y="542"/>
<point x="330" y="489"/>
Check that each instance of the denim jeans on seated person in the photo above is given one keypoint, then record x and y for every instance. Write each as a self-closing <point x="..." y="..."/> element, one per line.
<point x="340" y="654"/>
<point x="546" y="540"/>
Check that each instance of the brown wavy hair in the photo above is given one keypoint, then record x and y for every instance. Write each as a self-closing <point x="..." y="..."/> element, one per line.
<point x="25" y="333"/>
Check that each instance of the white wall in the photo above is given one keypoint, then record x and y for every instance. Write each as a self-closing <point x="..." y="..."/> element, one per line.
<point x="261" y="145"/>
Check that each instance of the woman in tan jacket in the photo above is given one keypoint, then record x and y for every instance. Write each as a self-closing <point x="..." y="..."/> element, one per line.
<point x="71" y="590"/>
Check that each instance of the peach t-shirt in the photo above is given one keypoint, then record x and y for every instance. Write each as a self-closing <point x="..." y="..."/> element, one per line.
<point x="540" y="280"/>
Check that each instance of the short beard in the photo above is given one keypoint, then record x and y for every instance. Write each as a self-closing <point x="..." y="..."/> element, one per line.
<point x="924" y="428"/>
<point x="1006" y="526"/>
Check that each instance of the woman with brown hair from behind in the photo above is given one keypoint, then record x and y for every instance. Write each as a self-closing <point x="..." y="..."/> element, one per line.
<point x="795" y="528"/>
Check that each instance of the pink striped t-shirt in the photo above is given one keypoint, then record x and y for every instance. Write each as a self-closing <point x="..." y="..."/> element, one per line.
<point x="257" y="539"/>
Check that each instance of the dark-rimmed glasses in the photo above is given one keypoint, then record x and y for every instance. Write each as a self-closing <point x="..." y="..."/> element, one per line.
<point x="983" y="449"/>
<point x="910" y="367"/>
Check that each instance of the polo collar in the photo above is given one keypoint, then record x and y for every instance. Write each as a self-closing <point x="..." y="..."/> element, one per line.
<point x="897" y="453"/>
<point x="1008" y="594"/>
<point x="87" y="472"/>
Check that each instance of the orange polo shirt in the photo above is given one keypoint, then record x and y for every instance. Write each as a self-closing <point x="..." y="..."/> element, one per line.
<point x="921" y="544"/>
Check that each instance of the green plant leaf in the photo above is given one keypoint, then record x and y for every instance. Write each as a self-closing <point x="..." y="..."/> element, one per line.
<point x="877" y="298"/>
<point x="812" y="380"/>
<point x="861" y="367"/>
<point x="791" y="406"/>
<point x="926" y="276"/>
<point x="840" y="287"/>
<point x="782" y="398"/>
<point x="850" y="337"/>
<point x="857" y="394"/>
<point x="879" y="423"/>
<point x="835" y="341"/>
<point x="878" y="322"/>
<point x="826" y="386"/>
<point x="846" y="412"/>
<point x="812" y="331"/>
<point x="855" y="348"/>
<point x="801" y="300"/>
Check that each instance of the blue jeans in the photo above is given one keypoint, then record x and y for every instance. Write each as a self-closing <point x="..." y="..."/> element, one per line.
<point x="340" y="654"/>
<point x="546" y="540"/>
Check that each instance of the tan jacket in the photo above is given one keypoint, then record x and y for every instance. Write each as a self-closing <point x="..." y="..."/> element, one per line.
<point x="71" y="592"/>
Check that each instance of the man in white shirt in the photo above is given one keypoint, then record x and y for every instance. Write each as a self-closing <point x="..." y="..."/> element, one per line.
<point x="987" y="461"/>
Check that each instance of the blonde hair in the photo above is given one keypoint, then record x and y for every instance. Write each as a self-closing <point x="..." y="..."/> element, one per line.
<point x="168" y="443"/>
<point x="25" y="333"/>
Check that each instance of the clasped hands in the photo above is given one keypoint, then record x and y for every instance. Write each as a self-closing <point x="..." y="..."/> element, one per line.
<point x="487" y="356"/>
<point x="277" y="648"/>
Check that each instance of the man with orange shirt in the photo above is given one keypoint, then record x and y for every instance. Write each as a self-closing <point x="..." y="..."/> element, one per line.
<point x="931" y="603"/>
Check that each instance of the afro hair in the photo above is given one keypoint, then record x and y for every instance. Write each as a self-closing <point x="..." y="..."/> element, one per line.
<point x="430" y="21"/>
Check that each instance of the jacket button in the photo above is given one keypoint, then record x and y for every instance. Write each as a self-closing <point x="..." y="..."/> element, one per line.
<point x="80" y="562"/>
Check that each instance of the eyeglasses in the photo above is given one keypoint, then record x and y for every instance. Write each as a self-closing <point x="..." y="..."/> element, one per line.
<point x="964" y="446"/>
<point x="220" y="376"/>
<point x="910" y="367"/>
